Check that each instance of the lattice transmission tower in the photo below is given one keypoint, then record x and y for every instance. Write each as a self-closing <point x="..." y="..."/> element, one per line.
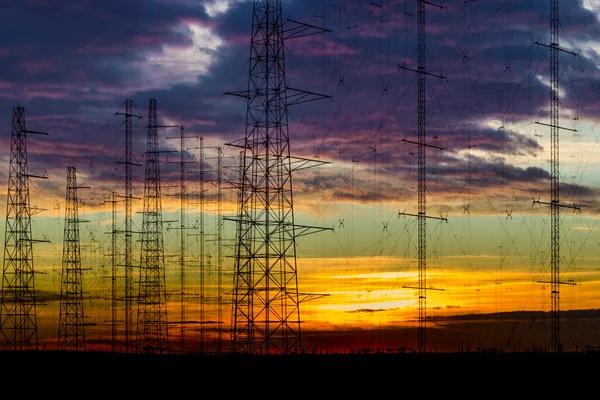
<point x="184" y="261"/>
<point x="152" y="322"/>
<point x="266" y="312"/>
<point x="114" y="300"/>
<point x="555" y="342"/>
<point x="71" y="320"/>
<point x="18" y="300"/>
<point x="422" y="176"/>
<point x="129" y="162"/>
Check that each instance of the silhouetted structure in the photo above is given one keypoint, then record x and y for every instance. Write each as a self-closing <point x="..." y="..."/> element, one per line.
<point x="555" y="343"/>
<point x="208" y="266"/>
<point x="266" y="313"/>
<point x="422" y="178"/>
<point x="113" y="273"/>
<point x="202" y="255"/>
<point x="18" y="300"/>
<point x="152" y="323"/>
<point x="184" y="158"/>
<point x="219" y="250"/>
<point x="128" y="162"/>
<point x="71" y="320"/>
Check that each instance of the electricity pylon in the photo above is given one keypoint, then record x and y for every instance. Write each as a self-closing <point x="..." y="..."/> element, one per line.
<point x="422" y="179"/>
<point x="555" y="343"/>
<point x="71" y="321"/>
<point x="266" y="312"/>
<point x="128" y="262"/>
<point x="152" y="322"/>
<point x="18" y="300"/>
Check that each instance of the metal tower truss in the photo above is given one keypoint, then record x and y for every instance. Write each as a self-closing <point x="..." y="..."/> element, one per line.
<point x="219" y="244"/>
<point x="113" y="276"/>
<point x="18" y="300"/>
<point x="555" y="343"/>
<point x="184" y="195"/>
<point x="266" y="312"/>
<point x="422" y="181"/>
<point x="128" y="232"/>
<point x="71" y="321"/>
<point x="152" y="323"/>
<point x="203" y="255"/>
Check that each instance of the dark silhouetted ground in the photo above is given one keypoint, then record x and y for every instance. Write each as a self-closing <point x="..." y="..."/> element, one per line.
<point x="102" y="375"/>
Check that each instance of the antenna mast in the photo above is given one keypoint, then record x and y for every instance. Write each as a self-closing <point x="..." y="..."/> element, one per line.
<point x="153" y="333"/>
<point x="422" y="182"/>
<point x="555" y="343"/>
<point x="182" y="226"/>
<point x="219" y="251"/>
<point x="266" y="300"/>
<point x="71" y="327"/>
<point x="202" y="247"/>
<point x="18" y="300"/>
<point x="113" y="277"/>
<point x="128" y="228"/>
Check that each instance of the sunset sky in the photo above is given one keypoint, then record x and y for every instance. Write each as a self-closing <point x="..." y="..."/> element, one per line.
<point x="73" y="64"/>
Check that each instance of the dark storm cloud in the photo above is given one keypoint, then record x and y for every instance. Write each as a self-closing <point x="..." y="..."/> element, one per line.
<point x="72" y="65"/>
<point x="53" y="42"/>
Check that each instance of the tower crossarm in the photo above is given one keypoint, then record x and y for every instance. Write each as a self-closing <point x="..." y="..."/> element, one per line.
<point x="298" y="163"/>
<point x="555" y="46"/>
<point x="423" y="144"/>
<point x="556" y="126"/>
<point x="431" y="4"/>
<point x="298" y="96"/>
<point x="304" y="297"/>
<point x="242" y="93"/>
<point x="550" y="203"/>
<point x="35" y="132"/>
<point x="419" y="71"/>
<point x="303" y="230"/>
<point x="559" y="283"/>
<point x="128" y="115"/>
<point x="295" y="29"/>
<point x="424" y="216"/>
<point x="35" y="176"/>
<point x="423" y="288"/>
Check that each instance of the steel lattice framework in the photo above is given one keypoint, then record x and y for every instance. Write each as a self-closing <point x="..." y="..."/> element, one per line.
<point x="421" y="186"/>
<point x="266" y="313"/>
<point x="18" y="318"/>
<point x="554" y="177"/>
<point x="422" y="174"/>
<point x="71" y="332"/>
<point x="152" y="322"/>
<point x="555" y="205"/>
<point x="128" y="256"/>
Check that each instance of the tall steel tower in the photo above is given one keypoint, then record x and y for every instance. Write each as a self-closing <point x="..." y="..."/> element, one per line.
<point x="128" y="162"/>
<point x="219" y="250"/>
<point x="202" y="255"/>
<point x="555" y="343"/>
<point x="266" y="313"/>
<point x="71" y="331"/>
<point x="18" y="300"/>
<point x="182" y="241"/>
<point x="152" y="325"/>
<point x="422" y="181"/>
<point x="113" y="270"/>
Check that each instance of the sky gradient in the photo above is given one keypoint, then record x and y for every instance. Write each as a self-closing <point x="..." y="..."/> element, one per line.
<point x="72" y="65"/>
